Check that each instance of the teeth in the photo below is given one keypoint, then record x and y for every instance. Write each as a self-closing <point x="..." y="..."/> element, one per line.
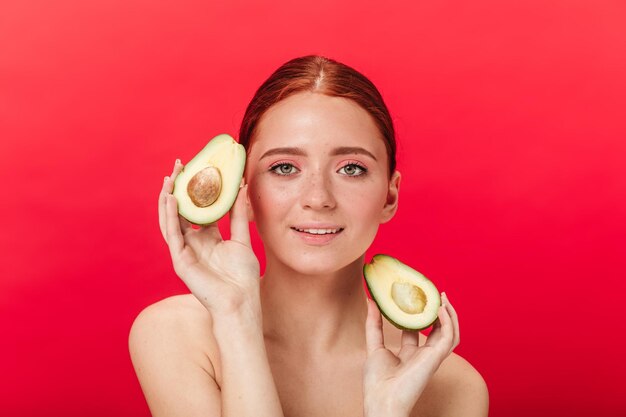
<point x="318" y="231"/>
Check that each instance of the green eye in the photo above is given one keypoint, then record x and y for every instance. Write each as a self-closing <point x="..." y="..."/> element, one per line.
<point x="353" y="170"/>
<point x="278" y="169"/>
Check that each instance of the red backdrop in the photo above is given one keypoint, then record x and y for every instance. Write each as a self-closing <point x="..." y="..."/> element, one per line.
<point x="511" y="131"/>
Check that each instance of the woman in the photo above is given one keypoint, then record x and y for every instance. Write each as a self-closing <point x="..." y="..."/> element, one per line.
<point x="304" y="340"/>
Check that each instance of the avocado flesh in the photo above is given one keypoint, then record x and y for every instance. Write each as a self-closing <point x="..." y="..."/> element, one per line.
<point x="208" y="184"/>
<point x="408" y="299"/>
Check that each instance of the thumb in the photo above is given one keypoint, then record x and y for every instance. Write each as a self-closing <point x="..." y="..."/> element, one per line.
<point x="373" y="328"/>
<point x="239" y="229"/>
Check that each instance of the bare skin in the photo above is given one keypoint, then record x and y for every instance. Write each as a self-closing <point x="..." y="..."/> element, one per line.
<point x="330" y="386"/>
<point x="304" y="342"/>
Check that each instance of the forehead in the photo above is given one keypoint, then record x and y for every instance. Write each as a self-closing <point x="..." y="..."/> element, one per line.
<point x="316" y="122"/>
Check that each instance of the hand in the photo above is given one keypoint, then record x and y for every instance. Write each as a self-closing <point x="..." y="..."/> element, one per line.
<point x="222" y="274"/>
<point x="392" y="384"/>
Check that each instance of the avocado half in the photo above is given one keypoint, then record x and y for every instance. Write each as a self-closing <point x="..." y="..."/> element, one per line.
<point x="408" y="299"/>
<point x="208" y="185"/>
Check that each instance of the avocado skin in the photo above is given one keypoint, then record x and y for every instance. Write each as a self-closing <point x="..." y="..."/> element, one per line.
<point x="381" y="255"/>
<point x="225" y="208"/>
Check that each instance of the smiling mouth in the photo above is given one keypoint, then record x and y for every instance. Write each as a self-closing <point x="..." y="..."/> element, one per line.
<point x="318" y="232"/>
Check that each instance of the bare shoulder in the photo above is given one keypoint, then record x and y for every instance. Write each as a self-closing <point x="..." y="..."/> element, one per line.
<point x="456" y="389"/>
<point x="178" y="324"/>
<point x="170" y="343"/>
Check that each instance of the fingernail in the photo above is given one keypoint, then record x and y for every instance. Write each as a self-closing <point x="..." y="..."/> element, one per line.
<point x="165" y="179"/>
<point x="178" y="161"/>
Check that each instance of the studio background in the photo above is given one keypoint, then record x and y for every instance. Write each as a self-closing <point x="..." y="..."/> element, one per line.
<point x="511" y="141"/>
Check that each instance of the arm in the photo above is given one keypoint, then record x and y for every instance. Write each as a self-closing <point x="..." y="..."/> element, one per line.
<point x="224" y="277"/>
<point x="248" y="387"/>
<point x="176" y="377"/>
<point x="176" y="380"/>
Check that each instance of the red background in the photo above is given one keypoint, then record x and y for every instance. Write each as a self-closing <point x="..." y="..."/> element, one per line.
<point x="511" y="131"/>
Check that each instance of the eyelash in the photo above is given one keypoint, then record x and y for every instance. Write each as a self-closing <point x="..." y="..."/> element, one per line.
<point x="352" y="163"/>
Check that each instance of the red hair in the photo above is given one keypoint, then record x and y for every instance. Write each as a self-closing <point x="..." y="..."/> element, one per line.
<point x="314" y="73"/>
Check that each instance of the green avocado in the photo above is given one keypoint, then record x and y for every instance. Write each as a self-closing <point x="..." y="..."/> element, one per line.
<point x="208" y="185"/>
<point x="408" y="299"/>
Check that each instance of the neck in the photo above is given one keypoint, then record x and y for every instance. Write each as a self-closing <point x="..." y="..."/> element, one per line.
<point x="314" y="313"/>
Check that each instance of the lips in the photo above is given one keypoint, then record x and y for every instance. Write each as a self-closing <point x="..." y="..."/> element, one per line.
<point x="317" y="234"/>
<point x="319" y="230"/>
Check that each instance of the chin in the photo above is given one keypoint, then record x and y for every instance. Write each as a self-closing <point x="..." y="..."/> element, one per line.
<point x="312" y="263"/>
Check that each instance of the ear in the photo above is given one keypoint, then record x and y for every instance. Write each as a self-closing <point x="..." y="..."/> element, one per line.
<point x="391" y="204"/>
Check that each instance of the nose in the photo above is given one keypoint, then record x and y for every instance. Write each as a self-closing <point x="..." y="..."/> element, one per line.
<point x="317" y="192"/>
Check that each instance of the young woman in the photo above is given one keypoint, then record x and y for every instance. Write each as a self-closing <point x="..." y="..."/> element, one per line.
<point x="304" y="340"/>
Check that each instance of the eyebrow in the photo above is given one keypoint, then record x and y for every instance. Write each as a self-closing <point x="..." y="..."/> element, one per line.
<point x="343" y="150"/>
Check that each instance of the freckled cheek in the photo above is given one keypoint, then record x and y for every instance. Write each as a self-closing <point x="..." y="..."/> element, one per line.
<point x="365" y="206"/>
<point x="270" y="201"/>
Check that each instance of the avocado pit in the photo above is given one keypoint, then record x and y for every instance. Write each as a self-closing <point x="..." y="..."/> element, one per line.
<point x="204" y="188"/>
<point x="408" y="297"/>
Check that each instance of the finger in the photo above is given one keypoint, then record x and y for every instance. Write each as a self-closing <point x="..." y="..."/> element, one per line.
<point x="373" y="328"/>
<point x="435" y="333"/>
<point x="178" y="167"/>
<point x="410" y="338"/>
<point x="441" y="335"/>
<point x="174" y="236"/>
<point x="455" y="321"/>
<point x="212" y="231"/>
<point x="185" y="225"/>
<point x="239" y="228"/>
<point x="168" y="187"/>
<point x="447" y="332"/>
<point x="168" y="184"/>
<point x="162" y="209"/>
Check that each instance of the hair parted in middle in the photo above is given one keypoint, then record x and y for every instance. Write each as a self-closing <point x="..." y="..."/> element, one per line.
<point x="319" y="74"/>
